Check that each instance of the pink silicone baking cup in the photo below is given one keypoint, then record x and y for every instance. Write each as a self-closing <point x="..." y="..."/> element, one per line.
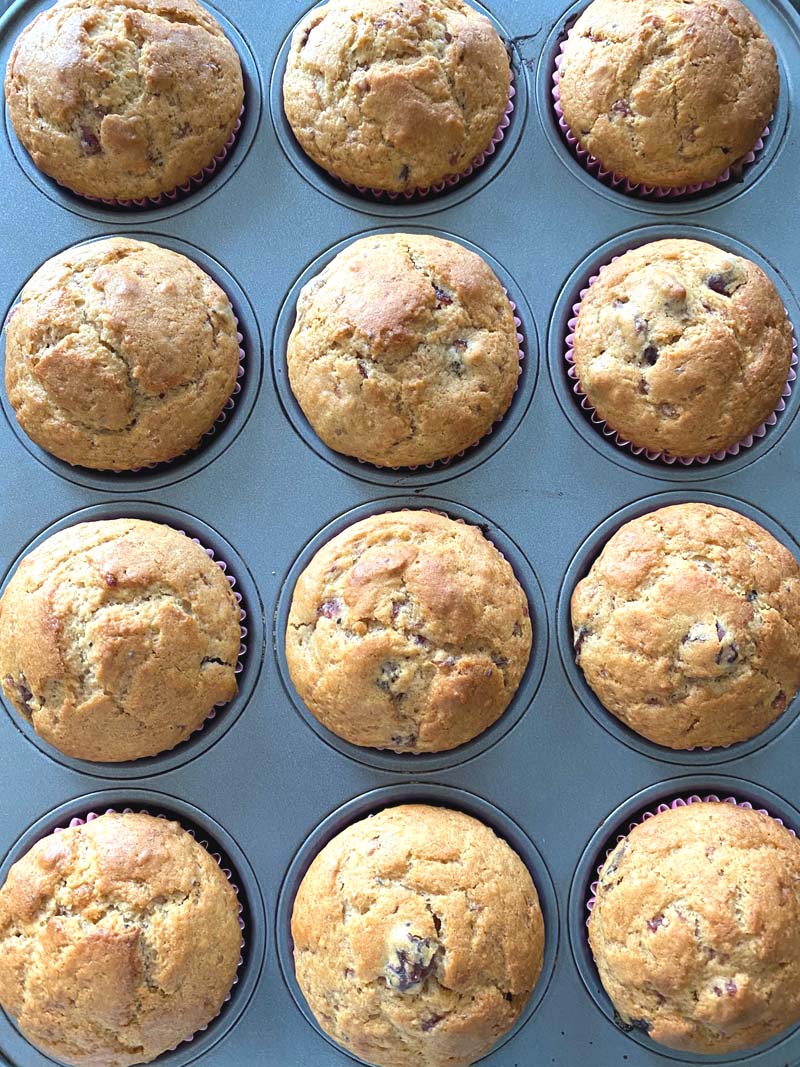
<point x="92" y="815"/>
<point x="679" y="802"/>
<point x="451" y="179"/>
<point x="445" y="462"/>
<point x="616" y="181"/>
<point x="639" y="450"/>
<point x="179" y="191"/>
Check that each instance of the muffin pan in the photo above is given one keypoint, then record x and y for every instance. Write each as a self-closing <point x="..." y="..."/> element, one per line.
<point x="557" y="776"/>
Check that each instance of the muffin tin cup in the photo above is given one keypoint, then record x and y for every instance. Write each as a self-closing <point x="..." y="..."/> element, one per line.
<point x="225" y="428"/>
<point x="222" y="847"/>
<point x="600" y="434"/>
<point x="639" y="450"/>
<point x="451" y="190"/>
<point x="580" y="566"/>
<point x="424" y="762"/>
<point x="674" y="793"/>
<point x="360" y="807"/>
<point x="223" y="715"/>
<point x="735" y="172"/>
<point x="442" y="470"/>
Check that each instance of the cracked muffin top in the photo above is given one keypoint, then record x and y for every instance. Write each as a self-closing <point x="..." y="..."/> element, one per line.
<point x="119" y="938"/>
<point x="668" y="92"/>
<point x="404" y="350"/>
<point x="686" y="626"/>
<point x="682" y="347"/>
<point x="408" y="631"/>
<point x="696" y="928"/>
<point x="120" y="354"/>
<point x="117" y="638"/>
<point x="394" y="96"/>
<point x="418" y="937"/>
<point x="123" y="99"/>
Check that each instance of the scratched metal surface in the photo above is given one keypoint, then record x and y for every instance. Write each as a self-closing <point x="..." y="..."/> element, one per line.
<point x="556" y="777"/>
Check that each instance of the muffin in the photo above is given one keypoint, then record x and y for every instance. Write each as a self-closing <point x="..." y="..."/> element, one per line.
<point x="418" y="937"/>
<point x="686" y="626"/>
<point x="682" y="348"/>
<point x="124" y="99"/>
<point x="120" y="938"/>
<point x="117" y="638"/>
<point x="668" y="93"/>
<point x="396" y="97"/>
<point x="120" y="354"/>
<point x="695" y="928"/>
<point x="408" y="631"/>
<point x="404" y="350"/>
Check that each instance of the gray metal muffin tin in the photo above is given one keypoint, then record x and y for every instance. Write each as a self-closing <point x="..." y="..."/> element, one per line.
<point x="264" y="783"/>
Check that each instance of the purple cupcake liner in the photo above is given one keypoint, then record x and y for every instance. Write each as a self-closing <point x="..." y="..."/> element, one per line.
<point x="616" y="181"/>
<point x="452" y="179"/>
<point x="180" y="190"/>
<point x="679" y="802"/>
<point x="92" y="815"/>
<point x="639" y="450"/>
<point x="436" y="464"/>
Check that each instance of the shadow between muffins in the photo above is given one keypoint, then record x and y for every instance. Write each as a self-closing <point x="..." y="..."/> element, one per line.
<point x="251" y="661"/>
<point x="617" y="824"/>
<point x="580" y="565"/>
<point x="426" y="762"/>
<point x="418" y="793"/>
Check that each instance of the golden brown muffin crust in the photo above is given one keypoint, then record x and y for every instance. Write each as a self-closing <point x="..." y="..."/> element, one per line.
<point x="395" y="96"/>
<point x="123" y="99"/>
<point x="404" y="350"/>
<point x="418" y="937"/>
<point x="120" y="354"/>
<point x="118" y="939"/>
<point x="408" y="631"/>
<point x="696" y="928"/>
<point x="686" y="627"/>
<point x="668" y="92"/>
<point x="117" y="638"/>
<point x="682" y="347"/>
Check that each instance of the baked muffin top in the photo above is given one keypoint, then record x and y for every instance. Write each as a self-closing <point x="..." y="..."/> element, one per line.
<point x="395" y="96"/>
<point x="120" y="354"/>
<point x="404" y="350"/>
<point x="117" y="638"/>
<point x="408" y="631"/>
<point x="686" y="626"/>
<point x="696" y="928"/>
<point x="418" y="937"/>
<point x="124" y="99"/>
<point x="668" y="92"/>
<point x="119" y="938"/>
<point x="682" y="347"/>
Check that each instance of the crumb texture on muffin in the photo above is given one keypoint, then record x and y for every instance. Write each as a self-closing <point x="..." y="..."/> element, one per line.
<point x="668" y="92"/>
<point x="686" y="626"/>
<point x="404" y="350"/>
<point x="695" y="929"/>
<point x="120" y="354"/>
<point x="117" y="638"/>
<point x="395" y="97"/>
<point x="124" y="99"/>
<point x="682" y="347"/>
<point x="119" y="938"/>
<point x="408" y="631"/>
<point x="418" y="938"/>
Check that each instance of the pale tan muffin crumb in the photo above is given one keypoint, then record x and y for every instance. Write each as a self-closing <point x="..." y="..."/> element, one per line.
<point x="696" y="928"/>
<point x="418" y="938"/>
<point x="119" y="939"/>
<point x="686" y="626"/>
<point x="117" y="638"/>
<point x="408" y="631"/>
